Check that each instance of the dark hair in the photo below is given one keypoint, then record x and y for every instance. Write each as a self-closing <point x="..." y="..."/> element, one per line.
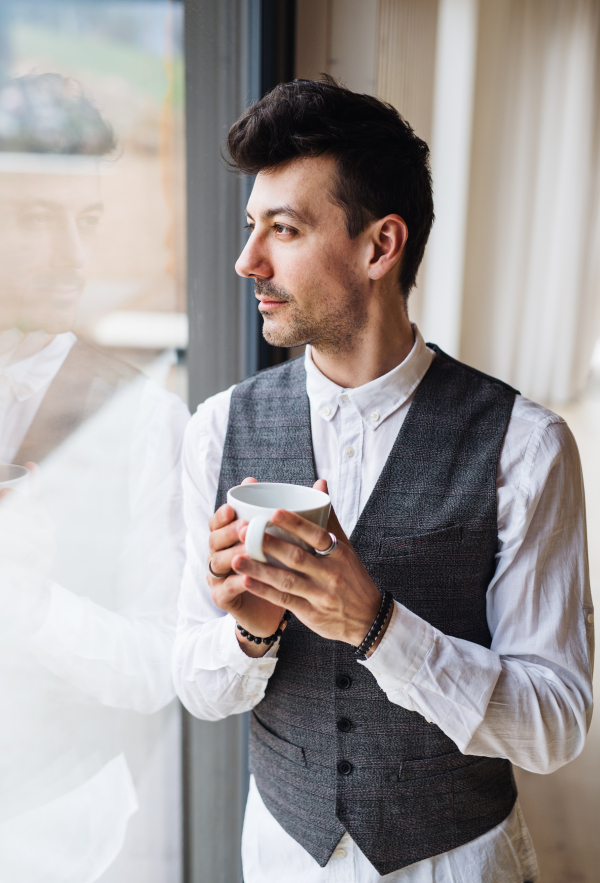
<point x="49" y="113"/>
<point x="382" y="166"/>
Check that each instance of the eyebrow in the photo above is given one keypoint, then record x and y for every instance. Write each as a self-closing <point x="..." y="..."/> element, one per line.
<point x="53" y="204"/>
<point x="284" y="210"/>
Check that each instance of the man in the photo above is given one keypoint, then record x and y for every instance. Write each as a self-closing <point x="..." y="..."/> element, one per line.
<point x="90" y="565"/>
<point x="462" y="500"/>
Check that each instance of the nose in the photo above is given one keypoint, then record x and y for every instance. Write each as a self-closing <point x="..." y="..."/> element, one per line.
<point x="70" y="250"/>
<point x="254" y="261"/>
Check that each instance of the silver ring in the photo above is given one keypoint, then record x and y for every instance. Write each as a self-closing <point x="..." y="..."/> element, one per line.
<point x="218" y="575"/>
<point x="330" y="549"/>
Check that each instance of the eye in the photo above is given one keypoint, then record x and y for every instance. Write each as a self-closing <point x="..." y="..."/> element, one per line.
<point x="249" y="227"/>
<point x="281" y="228"/>
<point x="35" y="220"/>
<point x="89" y="221"/>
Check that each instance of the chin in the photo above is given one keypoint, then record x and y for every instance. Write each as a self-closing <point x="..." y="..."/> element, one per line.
<point x="55" y="323"/>
<point x="282" y="340"/>
<point x="285" y="337"/>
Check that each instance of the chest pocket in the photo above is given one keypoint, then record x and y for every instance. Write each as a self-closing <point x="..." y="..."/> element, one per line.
<point x="439" y="544"/>
<point x="441" y="576"/>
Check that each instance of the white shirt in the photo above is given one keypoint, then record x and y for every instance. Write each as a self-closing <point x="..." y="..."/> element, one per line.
<point x="23" y="386"/>
<point x="107" y="636"/>
<point x="528" y="698"/>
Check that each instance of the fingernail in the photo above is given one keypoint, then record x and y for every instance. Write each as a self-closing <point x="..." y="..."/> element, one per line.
<point x="277" y="516"/>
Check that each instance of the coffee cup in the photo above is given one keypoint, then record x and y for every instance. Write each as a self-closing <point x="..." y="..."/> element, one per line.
<point x="256" y="504"/>
<point x="15" y="478"/>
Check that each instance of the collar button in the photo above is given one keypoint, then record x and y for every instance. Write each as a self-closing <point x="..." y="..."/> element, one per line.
<point x="374" y="416"/>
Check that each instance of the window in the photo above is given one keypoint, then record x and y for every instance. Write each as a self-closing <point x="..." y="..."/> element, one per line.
<point x="93" y="330"/>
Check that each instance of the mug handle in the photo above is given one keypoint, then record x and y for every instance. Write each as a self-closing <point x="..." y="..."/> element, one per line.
<point x="254" y="537"/>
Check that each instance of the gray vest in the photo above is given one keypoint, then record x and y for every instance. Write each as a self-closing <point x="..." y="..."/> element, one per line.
<point x="329" y="751"/>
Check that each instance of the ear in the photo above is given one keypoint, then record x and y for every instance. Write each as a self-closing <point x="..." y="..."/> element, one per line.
<point x="388" y="238"/>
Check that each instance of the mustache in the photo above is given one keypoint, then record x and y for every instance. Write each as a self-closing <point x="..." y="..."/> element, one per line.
<point x="59" y="280"/>
<point x="264" y="288"/>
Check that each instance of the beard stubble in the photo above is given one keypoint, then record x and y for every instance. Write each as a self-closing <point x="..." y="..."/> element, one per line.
<point x="328" y="327"/>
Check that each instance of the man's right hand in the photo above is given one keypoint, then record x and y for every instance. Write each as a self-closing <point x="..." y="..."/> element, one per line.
<point x="257" y="616"/>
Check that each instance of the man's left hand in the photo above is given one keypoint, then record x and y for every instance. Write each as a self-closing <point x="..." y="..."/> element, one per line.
<point x="333" y="596"/>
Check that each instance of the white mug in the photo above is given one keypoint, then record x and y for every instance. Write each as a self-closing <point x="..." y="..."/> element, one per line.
<point x="14" y="477"/>
<point x="256" y="503"/>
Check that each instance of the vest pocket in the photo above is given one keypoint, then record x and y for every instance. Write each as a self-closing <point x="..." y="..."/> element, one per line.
<point x="429" y="767"/>
<point x="439" y="542"/>
<point x="285" y="749"/>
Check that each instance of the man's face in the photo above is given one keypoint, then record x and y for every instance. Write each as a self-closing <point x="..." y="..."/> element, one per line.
<point x="309" y="275"/>
<point x="47" y="227"/>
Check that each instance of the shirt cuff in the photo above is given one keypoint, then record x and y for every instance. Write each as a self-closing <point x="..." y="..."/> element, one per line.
<point x="220" y="648"/>
<point x="402" y="650"/>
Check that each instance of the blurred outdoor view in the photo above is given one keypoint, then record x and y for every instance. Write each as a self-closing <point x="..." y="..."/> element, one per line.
<point x="127" y="58"/>
<point x="93" y="333"/>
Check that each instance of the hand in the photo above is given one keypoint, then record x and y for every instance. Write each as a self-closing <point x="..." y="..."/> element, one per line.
<point x="258" y="616"/>
<point x="334" y="596"/>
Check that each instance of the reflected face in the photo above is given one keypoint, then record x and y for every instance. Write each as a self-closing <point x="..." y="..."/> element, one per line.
<point x="309" y="275"/>
<point x="47" y="229"/>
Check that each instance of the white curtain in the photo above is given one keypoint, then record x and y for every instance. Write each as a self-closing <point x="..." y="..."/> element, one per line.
<point x="532" y="281"/>
<point x="527" y="306"/>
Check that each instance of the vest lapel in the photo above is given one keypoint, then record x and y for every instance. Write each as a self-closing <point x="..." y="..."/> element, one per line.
<point x="269" y="435"/>
<point x="85" y="381"/>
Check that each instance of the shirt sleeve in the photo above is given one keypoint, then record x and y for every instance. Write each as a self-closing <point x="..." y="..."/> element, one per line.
<point x="529" y="697"/>
<point x="123" y="657"/>
<point x="213" y="676"/>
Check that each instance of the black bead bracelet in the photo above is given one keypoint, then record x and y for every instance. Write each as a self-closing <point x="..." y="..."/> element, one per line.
<point x="375" y="630"/>
<point x="272" y="638"/>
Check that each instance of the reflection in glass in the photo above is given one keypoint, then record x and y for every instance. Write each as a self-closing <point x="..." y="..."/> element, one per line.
<point x="91" y="544"/>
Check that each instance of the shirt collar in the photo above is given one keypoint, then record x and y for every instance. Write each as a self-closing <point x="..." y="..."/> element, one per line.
<point x="28" y="376"/>
<point x="377" y="399"/>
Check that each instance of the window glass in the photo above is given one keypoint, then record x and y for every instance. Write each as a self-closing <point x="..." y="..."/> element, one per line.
<point x="93" y="333"/>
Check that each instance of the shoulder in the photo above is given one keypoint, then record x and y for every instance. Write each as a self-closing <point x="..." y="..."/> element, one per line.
<point x="284" y="376"/>
<point x="538" y="443"/>
<point x="162" y="411"/>
<point x="532" y="425"/>
<point x="528" y="416"/>
<point x="89" y="360"/>
<point x="452" y="367"/>
<point x="208" y="426"/>
<point x="203" y="448"/>
<point x="207" y="429"/>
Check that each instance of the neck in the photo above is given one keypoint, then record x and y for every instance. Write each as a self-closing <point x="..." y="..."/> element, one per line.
<point x="382" y="344"/>
<point x="15" y="345"/>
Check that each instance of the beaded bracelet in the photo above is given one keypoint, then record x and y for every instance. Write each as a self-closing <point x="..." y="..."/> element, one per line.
<point x="272" y="638"/>
<point x="375" y="630"/>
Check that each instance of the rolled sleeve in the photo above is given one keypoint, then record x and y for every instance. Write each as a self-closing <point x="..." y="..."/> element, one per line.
<point x="402" y="651"/>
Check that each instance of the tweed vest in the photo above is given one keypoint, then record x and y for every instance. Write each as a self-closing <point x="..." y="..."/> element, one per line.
<point x="330" y="753"/>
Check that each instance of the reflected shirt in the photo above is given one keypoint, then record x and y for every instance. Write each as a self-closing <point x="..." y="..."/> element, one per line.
<point x="98" y="639"/>
<point x="528" y="698"/>
<point x="23" y="386"/>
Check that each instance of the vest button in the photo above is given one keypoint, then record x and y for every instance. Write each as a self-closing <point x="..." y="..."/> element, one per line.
<point x="344" y="767"/>
<point x="344" y="682"/>
<point x="344" y="725"/>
